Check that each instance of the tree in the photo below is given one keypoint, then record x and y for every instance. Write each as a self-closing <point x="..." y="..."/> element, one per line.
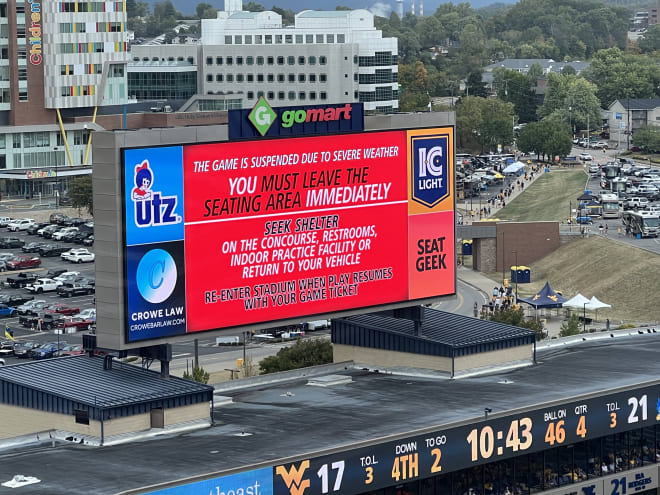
<point x="206" y="11"/>
<point x="475" y="86"/>
<point x="486" y="121"/>
<point x="304" y="353"/>
<point x="530" y="138"/>
<point x="573" y="100"/>
<point x="198" y="375"/>
<point x="253" y="7"/>
<point x="516" y="318"/>
<point x="81" y="193"/>
<point x="288" y="16"/>
<point x="514" y="87"/>
<point x="570" y="327"/>
<point x="650" y="41"/>
<point x="648" y="137"/>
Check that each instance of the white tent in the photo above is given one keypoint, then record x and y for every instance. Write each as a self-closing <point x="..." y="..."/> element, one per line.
<point x="577" y="302"/>
<point x="514" y="168"/>
<point x="595" y="304"/>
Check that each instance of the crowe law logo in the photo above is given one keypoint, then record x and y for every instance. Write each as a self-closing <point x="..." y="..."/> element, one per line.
<point x="293" y="477"/>
<point x="262" y="116"/>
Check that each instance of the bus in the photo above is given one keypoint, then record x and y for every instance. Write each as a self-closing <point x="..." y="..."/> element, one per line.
<point x="641" y="223"/>
<point x="609" y="205"/>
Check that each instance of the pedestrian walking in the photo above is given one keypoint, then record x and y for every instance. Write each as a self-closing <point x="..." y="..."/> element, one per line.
<point x="606" y="230"/>
<point x="476" y="310"/>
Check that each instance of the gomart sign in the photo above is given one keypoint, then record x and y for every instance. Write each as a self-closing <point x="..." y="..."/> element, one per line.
<point x="264" y="120"/>
<point x="230" y="234"/>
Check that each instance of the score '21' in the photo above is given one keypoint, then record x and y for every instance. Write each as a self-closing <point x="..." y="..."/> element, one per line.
<point x="638" y="407"/>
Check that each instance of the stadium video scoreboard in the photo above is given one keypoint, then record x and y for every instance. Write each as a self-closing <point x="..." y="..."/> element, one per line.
<point x="446" y="450"/>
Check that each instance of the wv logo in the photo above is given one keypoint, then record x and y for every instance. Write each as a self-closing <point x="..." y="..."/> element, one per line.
<point x="589" y="490"/>
<point x="151" y="207"/>
<point x="293" y="478"/>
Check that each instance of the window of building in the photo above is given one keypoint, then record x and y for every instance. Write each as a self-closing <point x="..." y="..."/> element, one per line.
<point x="239" y="78"/>
<point x="209" y="60"/>
<point x="260" y="77"/>
<point x="309" y="38"/>
<point x="278" y="39"/>
<point x="299" y="38"/>
<point x="269" y="39"/>
<point x="355" y="59"/>
<point x="250" y="78"/>
<point x="238" y="39"/>
<point x="312" y="95"/>
<point x="330" y="38"/>
<point x="271" y="95"/>
<point x="312" y="78"/>
<point x="301" y="60"/>
<point x="16" y="143"/>
<point x="319" y="38"/>
<point x="36" y="139"/>
<point x="260" y="94"/>
<point x="323" y="60"/>
<point x="260" y="61"/>
<point x="341" y="38"/>
<point x="218" y="60"/>
<point x="248" y="39"/>
<point x="239" y="60"/>
<point x="249" y="60"/>
<point x="291" y="60"/>
<point x="312" y="60"/>
<point x="218" y="78"/>
<point x="228" y="40"/>
<point x="209" y="77"/>
<point x="280" y="60"/>
<point x="271" y="60"/>
<point x="292" y="78"/>
<point x="301" y="77"/>
<point x="191" y="60"/>
<point x="82" y="417"/>
<point x="292" y="95"/>
<point x="324" y="95"/>
<point x="280" y="78"/>
<point x="170" y="59"/>
<point x="355" y="77"/>
<point x="230" y="60"/>
<point x="323" y="77"/>
<point x="230" y="77"/>
<point x="271" y="78"/>
<point x="301" y="95"/>
<point x="280" y="95"/>
<point x="258" y="39"/>
<point x="288" y="39"/>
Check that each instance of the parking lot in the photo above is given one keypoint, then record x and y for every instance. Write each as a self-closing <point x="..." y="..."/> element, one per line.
<point x="80" y="302"/>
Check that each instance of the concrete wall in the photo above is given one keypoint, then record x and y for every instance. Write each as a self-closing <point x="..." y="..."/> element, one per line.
<point x="385" y="359"/>
<point x="18" y="421"/>
<point x="157" y="119"/>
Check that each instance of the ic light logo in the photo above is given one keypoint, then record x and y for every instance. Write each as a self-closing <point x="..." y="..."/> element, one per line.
<point x="430" y="170"/>
<point x="262" y="116"/>
<point x="293" y="477"/>
<point x="156" y="276"/>
<point x="151" y="207"/>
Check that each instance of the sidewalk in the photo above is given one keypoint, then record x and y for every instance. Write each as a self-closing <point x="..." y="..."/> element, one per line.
<point x="485" y="286"/>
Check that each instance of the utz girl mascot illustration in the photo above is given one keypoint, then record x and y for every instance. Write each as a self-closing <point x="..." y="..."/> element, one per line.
<point x="143" y="182"/>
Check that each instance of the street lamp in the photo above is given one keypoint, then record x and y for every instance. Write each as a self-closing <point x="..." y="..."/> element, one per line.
<point x="57" y="182"/>
<point x="503" y="258"/>
<point x="584" y="318"/>
<point x="516" y="253"/>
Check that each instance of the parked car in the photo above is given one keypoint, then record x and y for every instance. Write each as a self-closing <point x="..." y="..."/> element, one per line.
<point x="82" y="257"/>
<point x="23" y="262"/>
<point x="89" y="241"/>
<point x="62" y="309"/>
<point x="88" y="313"/>
<point x="80" y="323"/>
<point x="76" y="221"/>
<point x="59" y="235"/>
<point x="51" y="250"/>
<point x="48" y="350"/>
<point x="4" y="221"/>
<point x="67" y="277"/>
<point x="11" y="242"/>
<point x="66" y="255"/>
<point x="601" y="145"/>
<point x="584" y="220"/>
<point x="70" y="350"/>
<point x="23" y="350"/>
<point x="69" y="236"/>
<point x="81" y="236"/>
<point x="585" y="157"/>
<point x="32" y="247"/>
<point x="56" y="217"/>
<point x="43" y="285"/>
<point x="31" y="307"/>
<point x="48" y="232"/>
<point x="6" y="311"/>
<point x="15" y="300"/>
<point x="71" y="289"/>
<point x="33" y="229"/>
<point x="55" y="272"/>
<point x="48" y="321"/>
<point x="20" y="224"/>
<point x="21" y="280"/>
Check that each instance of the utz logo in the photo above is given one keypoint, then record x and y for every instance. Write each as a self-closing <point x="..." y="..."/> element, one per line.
<point x="430" y="174"/>
<point x="151" y="207"/>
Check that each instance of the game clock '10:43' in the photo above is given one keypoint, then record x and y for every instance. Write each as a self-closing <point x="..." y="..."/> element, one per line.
<point x="446" y="450"/>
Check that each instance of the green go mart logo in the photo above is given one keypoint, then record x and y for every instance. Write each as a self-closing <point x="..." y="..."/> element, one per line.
<point x="262" y="116"/>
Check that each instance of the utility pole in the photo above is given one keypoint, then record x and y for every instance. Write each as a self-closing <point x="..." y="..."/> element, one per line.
<point x="629" y="126"/>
